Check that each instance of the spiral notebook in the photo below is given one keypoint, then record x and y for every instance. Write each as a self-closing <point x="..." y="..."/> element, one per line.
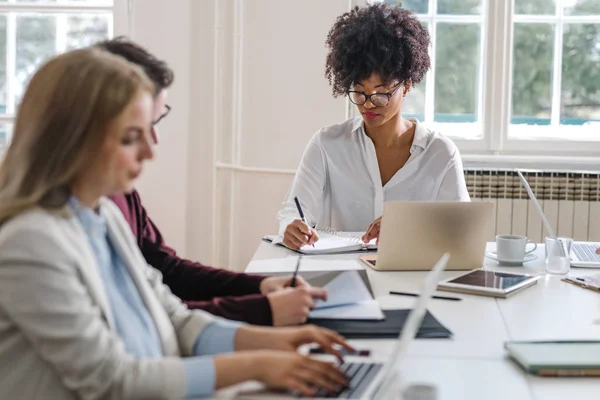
<point x="331" y="242"/>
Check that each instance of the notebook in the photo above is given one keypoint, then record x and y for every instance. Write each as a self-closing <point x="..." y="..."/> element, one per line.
<point x="330" y="242"/>
<point x="557" y="358"/>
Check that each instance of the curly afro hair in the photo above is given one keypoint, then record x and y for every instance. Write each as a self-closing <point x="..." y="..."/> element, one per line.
<point x="381" y="38"/>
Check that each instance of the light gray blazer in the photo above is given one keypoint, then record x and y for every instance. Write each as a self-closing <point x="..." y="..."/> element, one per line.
<point x="57" y="333"/>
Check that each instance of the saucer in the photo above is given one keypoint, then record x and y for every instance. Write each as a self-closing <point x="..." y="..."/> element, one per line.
<point x="528" y="257"/>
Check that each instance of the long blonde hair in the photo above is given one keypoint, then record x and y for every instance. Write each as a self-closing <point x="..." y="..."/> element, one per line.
<point x="60" y="124"/>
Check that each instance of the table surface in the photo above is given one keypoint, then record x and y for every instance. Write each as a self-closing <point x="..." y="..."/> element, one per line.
<point x="473" y="364"/>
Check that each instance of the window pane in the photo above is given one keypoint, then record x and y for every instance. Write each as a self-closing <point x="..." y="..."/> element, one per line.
<point x="84" y="30"/>
<point x="581" y="7"/>
<point x="459" y="6"/>
<point x="3" y="64"/>
<point x="416" y="6"/>
<point x="457" y="72"/>
<point x="580" y="94"/>
<point x="532" y="74"/>
<point x="414" y="102"/>
<point x="535" y="7"/>
<point x="5" y="133"/>
<point x="36" y="41"/>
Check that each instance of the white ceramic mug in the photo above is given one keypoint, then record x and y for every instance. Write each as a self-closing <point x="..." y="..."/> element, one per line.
<point x="513" y="247"/>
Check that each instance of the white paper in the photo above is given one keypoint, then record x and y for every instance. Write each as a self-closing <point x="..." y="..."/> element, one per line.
<point x="366" y="310"/>
<point x="346" y="288"/>
<point x="331" y="244"/>
<point x="288" y="264"/>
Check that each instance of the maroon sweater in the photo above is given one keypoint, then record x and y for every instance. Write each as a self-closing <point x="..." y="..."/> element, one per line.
<point x="227" y="294"/>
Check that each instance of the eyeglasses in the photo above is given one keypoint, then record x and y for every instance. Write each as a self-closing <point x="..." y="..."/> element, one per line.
<point x="162" y="116"/>
<point x="377" y="99"/>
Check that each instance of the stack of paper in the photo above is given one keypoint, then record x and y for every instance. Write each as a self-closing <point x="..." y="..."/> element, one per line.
<point x="347" y="298"/>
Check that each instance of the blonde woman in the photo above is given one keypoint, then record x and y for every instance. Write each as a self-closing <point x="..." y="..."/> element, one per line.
<point x="81" y="314"/>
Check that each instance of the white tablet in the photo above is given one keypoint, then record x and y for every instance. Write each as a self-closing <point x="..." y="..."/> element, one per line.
<point x="489" y="283"/>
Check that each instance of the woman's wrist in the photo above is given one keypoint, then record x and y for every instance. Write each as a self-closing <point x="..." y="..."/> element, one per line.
<point x="254" y="338"/>
<point x="234" y="368"/>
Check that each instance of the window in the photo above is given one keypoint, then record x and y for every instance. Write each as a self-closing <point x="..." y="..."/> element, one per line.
<point x="449" y="98"/>
<point x="512" y="76"/>
<point x="32" y="31"/>
<point x="556" y="70"/>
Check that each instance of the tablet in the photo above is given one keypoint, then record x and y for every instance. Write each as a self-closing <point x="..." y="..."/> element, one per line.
<point x="489" y="283"/>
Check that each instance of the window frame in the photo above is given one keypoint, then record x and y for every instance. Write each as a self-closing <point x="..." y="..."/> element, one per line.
<point x="496" y="86"/>
<point x="121" y="24"/>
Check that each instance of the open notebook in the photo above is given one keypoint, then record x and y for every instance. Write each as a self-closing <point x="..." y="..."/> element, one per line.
<point x="330" y="242"/>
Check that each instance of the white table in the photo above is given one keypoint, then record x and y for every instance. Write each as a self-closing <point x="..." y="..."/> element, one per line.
<point x="473" y="364"/>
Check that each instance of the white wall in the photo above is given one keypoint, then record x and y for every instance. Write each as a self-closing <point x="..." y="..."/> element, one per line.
<point x="162" y="26"/>
<point x="279" y="98"/>
<point x="249" y="92"/>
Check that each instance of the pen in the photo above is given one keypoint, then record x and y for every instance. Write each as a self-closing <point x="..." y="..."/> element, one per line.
<point x="293" y="281"/>
<point x="417" y="295"/>
<point x="299" y="207"/>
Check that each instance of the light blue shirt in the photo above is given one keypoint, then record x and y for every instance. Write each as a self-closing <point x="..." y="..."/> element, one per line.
<point x="133" y="321"/>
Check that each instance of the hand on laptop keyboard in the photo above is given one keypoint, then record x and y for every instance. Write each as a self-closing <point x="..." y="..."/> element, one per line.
<point x="290" y="339"/>
<point x="359" y="375"/>
<point x="297" y="372"/>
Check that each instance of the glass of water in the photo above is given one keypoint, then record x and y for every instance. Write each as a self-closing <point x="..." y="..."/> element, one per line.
<point x="558" y="255"/>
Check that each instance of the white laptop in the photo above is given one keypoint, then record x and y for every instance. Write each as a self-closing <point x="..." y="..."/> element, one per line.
<point x="583" y="254"/>
<point x="374" y="381"/>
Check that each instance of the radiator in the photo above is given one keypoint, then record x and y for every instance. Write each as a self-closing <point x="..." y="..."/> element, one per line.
<point x="570" y="200"/>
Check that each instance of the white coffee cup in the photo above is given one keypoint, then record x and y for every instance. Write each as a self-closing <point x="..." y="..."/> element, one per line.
<point x="513" y="247"/>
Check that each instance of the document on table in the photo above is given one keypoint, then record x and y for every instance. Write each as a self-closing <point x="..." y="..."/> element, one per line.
<point x="347" y="298"/>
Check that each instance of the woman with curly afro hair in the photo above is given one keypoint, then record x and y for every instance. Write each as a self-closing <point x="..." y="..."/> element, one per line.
<point x="376" y="54"/>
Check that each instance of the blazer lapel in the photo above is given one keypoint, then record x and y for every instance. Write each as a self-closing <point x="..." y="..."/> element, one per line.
<point x="135" y="264"/>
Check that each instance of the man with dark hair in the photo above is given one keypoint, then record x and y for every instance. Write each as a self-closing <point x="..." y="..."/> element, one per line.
<point x="254" y="299"/>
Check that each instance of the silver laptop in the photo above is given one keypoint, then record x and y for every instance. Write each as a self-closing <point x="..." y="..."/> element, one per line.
<point x="414" y="234"/>
<point x="375" y="380"/>
<point x="583" y="254"/>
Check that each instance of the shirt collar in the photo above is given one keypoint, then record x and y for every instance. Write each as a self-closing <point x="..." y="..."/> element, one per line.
<point x="421" y="135"/>
<point x="357" y="124"/>
<point x="93" y="222"/>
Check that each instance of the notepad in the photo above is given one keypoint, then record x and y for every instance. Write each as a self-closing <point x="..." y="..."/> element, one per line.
<point x="331" y="242"/>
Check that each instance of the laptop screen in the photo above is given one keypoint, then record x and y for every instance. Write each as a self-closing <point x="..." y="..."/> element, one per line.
<point x="410" y="329"/>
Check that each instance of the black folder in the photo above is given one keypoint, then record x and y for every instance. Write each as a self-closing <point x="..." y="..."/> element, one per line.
<point x="390" y="327"/>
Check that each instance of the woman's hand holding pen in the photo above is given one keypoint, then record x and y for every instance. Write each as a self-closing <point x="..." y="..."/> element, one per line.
<point x="298" y="234"/>
<point x="290" y="306"/>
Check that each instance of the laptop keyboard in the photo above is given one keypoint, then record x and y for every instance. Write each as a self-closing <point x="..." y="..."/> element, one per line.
<point x="586" y="252"/>
<point x="359" y="377"/>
